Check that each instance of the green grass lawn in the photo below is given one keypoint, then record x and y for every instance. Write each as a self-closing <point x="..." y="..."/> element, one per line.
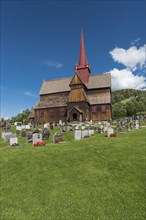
<point x="98" y="178"/>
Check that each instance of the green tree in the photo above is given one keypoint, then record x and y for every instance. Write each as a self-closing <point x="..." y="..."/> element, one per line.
<point x="118" y="110"/>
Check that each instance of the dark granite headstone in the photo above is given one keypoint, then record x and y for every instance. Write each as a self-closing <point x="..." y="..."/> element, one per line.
<point x="29" y="137"/>
<point x="51" y="127"/>
<point x="36" y="131"/>
<point x="119" y="129"/>
<point x="46" y="134"/>
<point x="23" y="133"/>
<point x="17" y="132"/>
<point x="57" y="138"/>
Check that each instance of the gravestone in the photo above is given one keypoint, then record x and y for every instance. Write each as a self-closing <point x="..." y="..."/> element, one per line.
<point x="57" y="137"/>
<point x="23" y="127"/>
<point x="46" y="134"/>
<point x="37" y="138"/>
<point x="77" y="134"/>
<point x="23" y="133"/>
<point x="101" y="128"/>
<point x="36" y="131"/>
<point x="46" y="125"/>
<point x="69" y="128"/>
<point x="18" y="128"/>
<point x="110" y="131"/>
<point x="51" y="127"/>
<point x="85" y="133"/>
<point x="136" y="124"/>
<point x="5" y="132"/>
<point x="119" y="129"/>
<point x="18" y="123"/>
<point x="91" y="132"/>
<point x="83" y="127"/>
<point x="61" y="128"/>
<point x="13" y="141"/>
<point x="29" y="137"/>
<point x="60" y="122"/>
<point x="27" y="127"/>
<point x="105" y="128"/>
<point x="9" y="135"/>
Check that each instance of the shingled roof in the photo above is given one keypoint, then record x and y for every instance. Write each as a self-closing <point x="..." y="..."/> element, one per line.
<point x="54" y="86"/>
<point x="51" y="102"/>
<point x="62" y="85"/>
<point x="99" y="81"/>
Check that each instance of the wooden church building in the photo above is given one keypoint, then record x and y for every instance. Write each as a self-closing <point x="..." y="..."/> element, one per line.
<point x="83" y="97"/>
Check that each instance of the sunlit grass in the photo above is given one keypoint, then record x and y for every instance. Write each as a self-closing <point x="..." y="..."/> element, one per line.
<point x="96" y="178"/>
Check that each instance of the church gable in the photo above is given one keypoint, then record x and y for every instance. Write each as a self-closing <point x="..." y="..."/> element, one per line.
<point x="76" y="80"/>
<point x="77" y="93"/>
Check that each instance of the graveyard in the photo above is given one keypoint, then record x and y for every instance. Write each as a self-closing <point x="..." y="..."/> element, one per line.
<point x="74" y="171"/>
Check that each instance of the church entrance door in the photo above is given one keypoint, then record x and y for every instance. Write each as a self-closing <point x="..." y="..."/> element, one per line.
<point x="75" y="117"/>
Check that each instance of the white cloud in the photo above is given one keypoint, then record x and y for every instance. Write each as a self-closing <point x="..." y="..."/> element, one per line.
<point x="52" y="63"/>
<point x="134" y="42"/>
<point x="30" y="94"/>
<point x="125" y="79"/>
<point x="133" y="58"/>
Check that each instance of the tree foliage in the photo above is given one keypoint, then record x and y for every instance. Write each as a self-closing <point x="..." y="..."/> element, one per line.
<point x="128" y="102"/>
<point x="21" y="117"/>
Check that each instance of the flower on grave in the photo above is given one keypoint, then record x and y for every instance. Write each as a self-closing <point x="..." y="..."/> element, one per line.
<point x="40" y="144"/>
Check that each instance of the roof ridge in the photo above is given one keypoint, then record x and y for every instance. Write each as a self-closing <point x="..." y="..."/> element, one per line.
<point x="99" y="74"/>
<point x="57" y="79"/>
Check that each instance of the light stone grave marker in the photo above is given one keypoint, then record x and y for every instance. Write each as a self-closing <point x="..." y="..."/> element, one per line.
<point x="110" y="131"/>
<point x="3" y="133"/>
<point x="18" y="128"/>
<point x="13" y="140"/>
<point x="23" y="126"/>
<point x="36" y="138"/>
<point x="136" y="124"/>
<point x="7" y="136"/>
<point x="77" y="134"/>
<point x="27" y="127"/>
<point x="91" y="132"/>
<point x="85" y="133"/>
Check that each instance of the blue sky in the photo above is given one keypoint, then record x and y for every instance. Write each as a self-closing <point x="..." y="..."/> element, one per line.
<point x="40" y="41"/>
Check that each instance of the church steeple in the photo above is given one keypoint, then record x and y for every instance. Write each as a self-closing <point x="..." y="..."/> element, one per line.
<point x="83" y="69"/>
<point x="82" y="59"/>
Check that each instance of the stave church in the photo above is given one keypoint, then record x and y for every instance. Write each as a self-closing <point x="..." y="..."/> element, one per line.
<point x="82" y="97"/>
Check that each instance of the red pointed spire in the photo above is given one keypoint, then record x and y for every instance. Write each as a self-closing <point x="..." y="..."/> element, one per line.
<point x="83" y="69"/>
<point x="82" y="59"/>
